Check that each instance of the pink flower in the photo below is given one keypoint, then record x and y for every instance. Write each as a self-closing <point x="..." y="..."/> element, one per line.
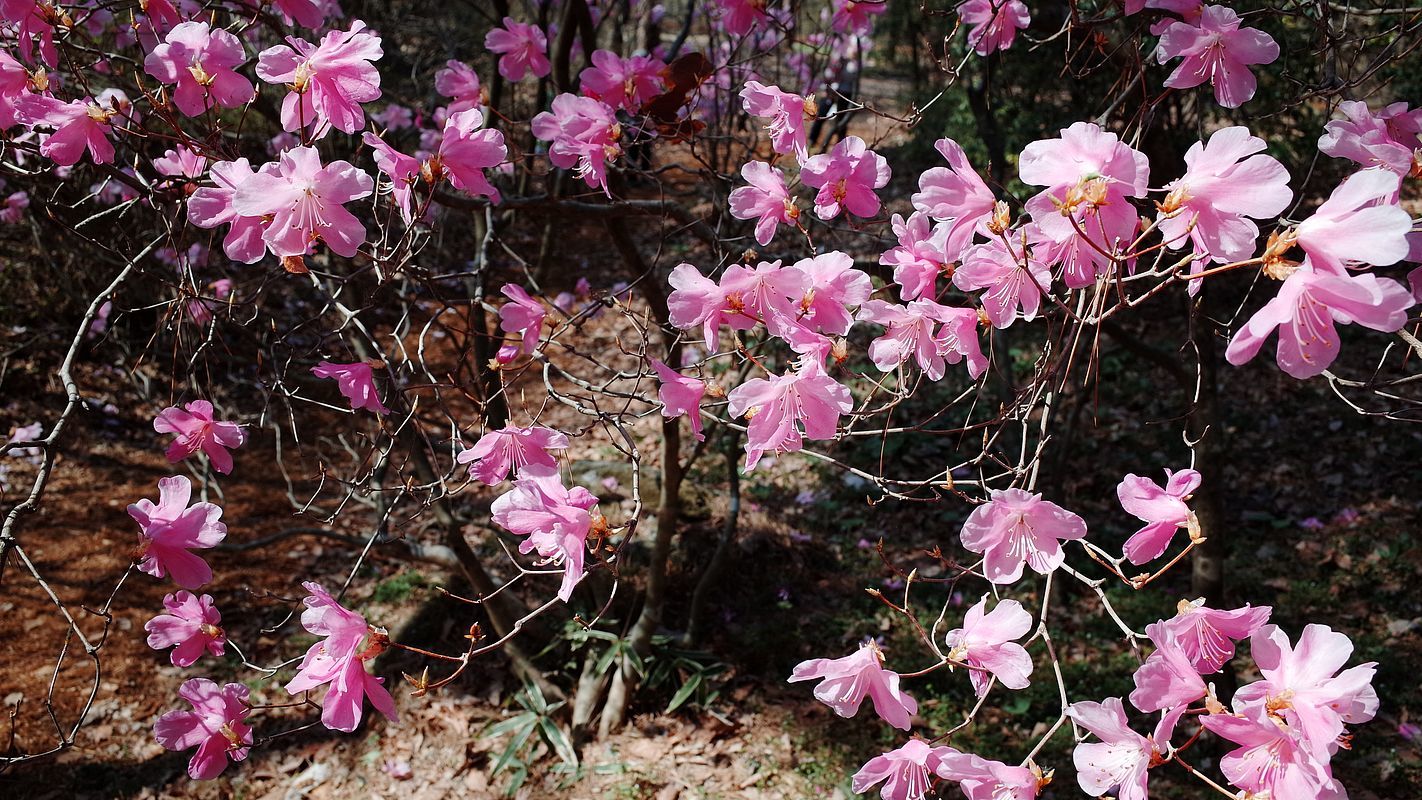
<point x="737" y="17"/>
<point x="306" y="202"/>
<point x="846" y="177"/>
<point x="787" y="112"/>
<point x="467" y="149"/>
<point x="169" y="529"/>
<point x="555" y="519"/>
<point x="523" y="317"/>
<point x="459" y="82"/>
<point x="856" y="16"/>
<point x="845" y="682"/>
<point x="32" y="19"/>
<point x="402" y="170"/>
<point x="681" y="396"/>
<point x="832" y="285"/>
<point x="1010" y="275"/>
<point x="1305" y="311"/>
<point x="1361" y="222"/>
<point x="765" y="200"/>
<point x="180" y="163"/>
<point x="987" y="641"/>
<point x="921" y="255"/>
<point x="1016" y="527"/>
<point x="1121" y="759"/>
<point x="744" y="297"/>
<point x="1167" y="678"/>
<point x="216" y="727"/>
<point x="328" y="81"/>
<point x="306" y="13"/>
<point x="191" y="627"/>
<point x="512" y="448"/>
<point x="522" y="48"/>
<point x="1271" y="761"/>
<point x="1216" y="50"/>
<point x="12" y="208"/>
<point x="211" y="206"/>
<point x="1089" y="174"/>
<point x="958" y="339"/>
<point x="79" y="126"/>
<point x="14" y="84"/>
<point x="955" y="195"/>
<point x="202" y="62"/>
<point x="197" y="430"/>
<point x="995" y="23"/>
<point x="1207" y="636"/>
<point x="907" y="772"/>
<point x="339" y="660"/>
<point x="1227" y="180"/>
<point x="583" y="134"/>
<point x="623" y="83"/>
<point x="912" y="331"/>
<point x="697" y="300"/>
<point x="1387" y="139"/>
<point x="1300" y="684"/>
<point x="780" y="405"/>
<point x="981" y="779"/>
<point x="355" y="382"/>
<point x="1163" y="510"/>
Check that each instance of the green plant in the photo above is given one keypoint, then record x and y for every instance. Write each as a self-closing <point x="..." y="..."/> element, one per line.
<point x="535" y="724"/>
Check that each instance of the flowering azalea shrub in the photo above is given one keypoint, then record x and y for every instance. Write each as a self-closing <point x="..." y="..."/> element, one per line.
<point x="347" y="249"/>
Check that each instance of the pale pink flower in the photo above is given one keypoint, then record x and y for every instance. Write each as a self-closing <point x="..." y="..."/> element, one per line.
<point x="1122" y="758"/>
<point x="12" y="208"/>
<point x="512" y="448"/>
<point x="201" y="63"/>
<point x="911" y="332"/>
<point x="191" y="627"/>
<point x="555" y="519"/>
<point x="907" y="771"/>
<point x="583" y="136"/>
<point x="958" y="339"/>
<point x="306" y="202"/>
<point x="987" y="641"/>
<point x="197" y="430"/>
<point x="846" y="177"/>
<point x="1306" y="309"/>
<point x="856" y="16"/>
<point x="697" y="300"/>
<point x="744" y="297"/>
<point x="1227" y="180"/>
<point x="1360" y="223"/>
<point x="625" y="83"/>
<point x="356" y="383"/>
<point x="169" y="529"/>
<point x="737" y="17"/>
<point x="1010" y="276"/>
<point x="180" y="162"/>
<point x="1388" y="138"/>
<point x="1272" y="761"/>
<point x="845" y="682"/>
<point x="681" y="396"/>
<point x="765" y="200"/>
<point x="1217" y="50"/>
<point x="1303" y="684"/>
<point x="402" y="170"/>
<point x="79" y="126"/>
<point x="832" y="286"/>
<point x="522" y="49"/>
<point x="328" y="81"/>
<point x="212" y="206"/>
<point x="788" y="114"/>
<point x="216" y="726"/>
<point x="394" y="117"/>
<point x="1167" y="678"/>
<point x="467" y="149"/>
<point x="459" y="82"/>
<point x="1089" y="174"/>
<point x="339" y="660"/>
<point x="921" y="256"/>
<point x="981" y="779"/>
<point x="1207" y="635"/>
<point x="1162" y="509"/>
<point x="523" y="316"/>
<point x="782" y="404"/>
<point x="995" y="23"/>
<point x="957" y="196"/>
<point x="1016" y="527"/>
